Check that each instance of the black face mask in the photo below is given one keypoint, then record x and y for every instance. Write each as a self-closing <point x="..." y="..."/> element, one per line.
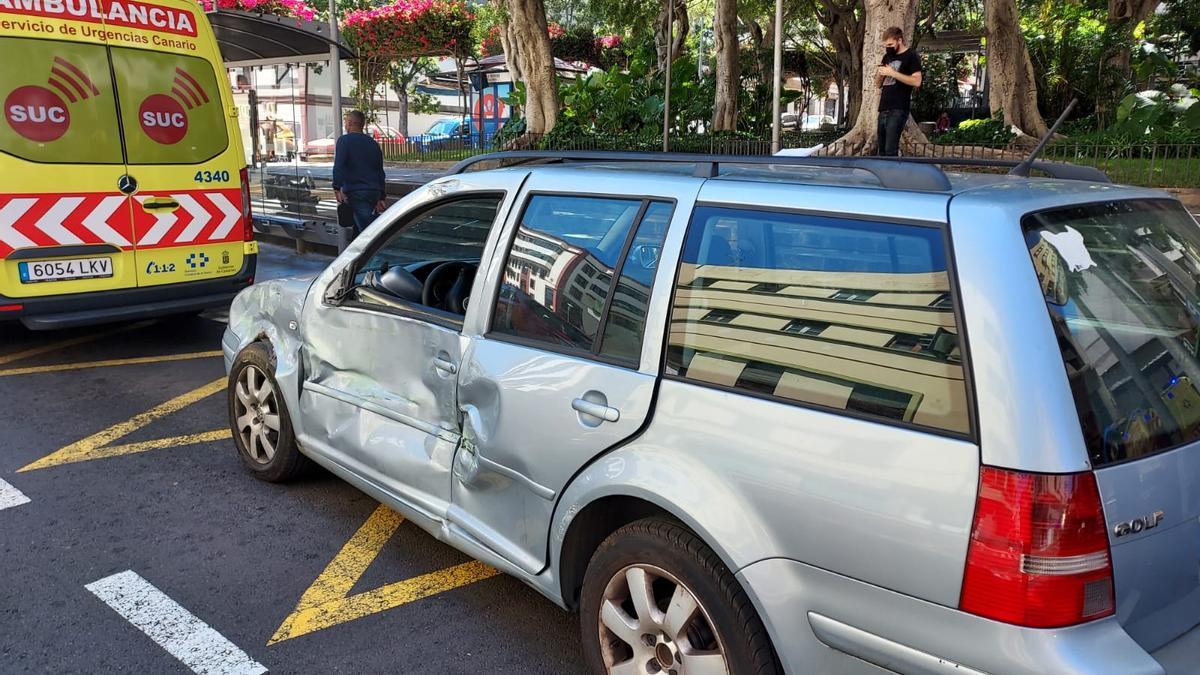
<point x="890" y="52"/>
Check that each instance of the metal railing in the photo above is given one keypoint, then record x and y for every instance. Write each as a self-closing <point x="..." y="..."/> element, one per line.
<point x="1148" y="165"/>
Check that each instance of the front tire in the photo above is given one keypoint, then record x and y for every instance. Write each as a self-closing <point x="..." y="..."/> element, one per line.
<point x="259" y="420"/>
<point x="656" y="599"/>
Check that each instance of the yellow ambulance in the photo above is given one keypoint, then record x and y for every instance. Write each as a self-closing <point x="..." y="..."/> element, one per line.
<point x="123" y="188"/>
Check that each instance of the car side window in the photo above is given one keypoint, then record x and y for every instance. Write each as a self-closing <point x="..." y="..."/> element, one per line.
<point x="558" y="286"/>
<point x="409" y="264"/>
<point x="843" y="314"/>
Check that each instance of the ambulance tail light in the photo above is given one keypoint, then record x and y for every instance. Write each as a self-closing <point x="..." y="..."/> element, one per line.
<point x="11" y="308"/>
<point x="247" y="217"/>
<point x="1038" y="554"/>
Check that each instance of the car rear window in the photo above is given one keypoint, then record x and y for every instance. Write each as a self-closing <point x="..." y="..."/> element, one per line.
<point x="1120" y="281"/>
<point x="171" y="108"/>
<point x="58" y="103"/>
<point x="850" y="315"/>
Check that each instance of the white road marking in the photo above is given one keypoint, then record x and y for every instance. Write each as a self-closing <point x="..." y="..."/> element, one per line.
<point x="175" y="629"/>
<point x="11" y="496"/>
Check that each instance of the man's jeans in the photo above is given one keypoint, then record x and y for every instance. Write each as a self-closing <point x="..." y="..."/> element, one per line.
<point x="891" y="125"/>
<point x="363" y="203"/>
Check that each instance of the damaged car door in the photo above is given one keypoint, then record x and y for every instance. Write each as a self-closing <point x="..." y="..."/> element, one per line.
<point x="383" y="346"/>
<point x="557" y="376"/>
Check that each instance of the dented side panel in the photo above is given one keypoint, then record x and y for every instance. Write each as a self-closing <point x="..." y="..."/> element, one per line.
<point x="373" y="398"/>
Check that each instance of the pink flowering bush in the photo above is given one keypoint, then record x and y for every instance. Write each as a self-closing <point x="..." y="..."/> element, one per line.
<point x="406" y="29"/>
<point x="293" y="8"/>
<point x="608" y="41"/>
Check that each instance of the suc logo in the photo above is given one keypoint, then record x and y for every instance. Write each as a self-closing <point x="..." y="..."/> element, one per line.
<point x="37" y="113"/>
<point x="40" y="114"/>
<point x="163" y="118"/>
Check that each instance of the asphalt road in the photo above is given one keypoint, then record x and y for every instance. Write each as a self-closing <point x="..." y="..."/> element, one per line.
<point x="119" y="482"/>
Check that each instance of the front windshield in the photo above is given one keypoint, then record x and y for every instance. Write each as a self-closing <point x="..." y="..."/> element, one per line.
<point x="1120" y="280"/>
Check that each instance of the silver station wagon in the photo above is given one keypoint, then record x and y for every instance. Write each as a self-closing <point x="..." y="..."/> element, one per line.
<point x="756" y="415"/>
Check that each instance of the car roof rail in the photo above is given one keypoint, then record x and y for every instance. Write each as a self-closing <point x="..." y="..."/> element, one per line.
<point x="1060" y="170"/>
<point x="897" y="175"/>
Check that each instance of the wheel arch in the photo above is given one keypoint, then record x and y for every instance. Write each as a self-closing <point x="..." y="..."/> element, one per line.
<point x="640" y="481"/>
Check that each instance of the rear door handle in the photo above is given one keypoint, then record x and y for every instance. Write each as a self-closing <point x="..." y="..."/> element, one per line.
<point x="155" y="203"/>
<point x="445" y="365"/>
<point x="604" y="412"/>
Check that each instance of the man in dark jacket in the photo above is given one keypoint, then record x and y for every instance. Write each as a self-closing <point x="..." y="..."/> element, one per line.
<point x="358" y="179"/>
<point x="897" y="75"/>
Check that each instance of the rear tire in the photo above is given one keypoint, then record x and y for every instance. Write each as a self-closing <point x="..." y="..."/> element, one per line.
<point x="259" y="420"/>
<point x="674" y="605"/>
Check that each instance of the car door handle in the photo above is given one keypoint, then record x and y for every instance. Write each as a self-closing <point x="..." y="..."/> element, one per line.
<point x="445" y="365"/>
<point x="604" y="412"/>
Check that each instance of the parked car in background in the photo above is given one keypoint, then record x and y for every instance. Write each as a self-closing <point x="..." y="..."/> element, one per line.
<point x="789" y="120"/>
<point x="816" y="122"/>
<point x="761" y="414"/>
<point x="388" y="138"/>
<point x="448" y="133"/>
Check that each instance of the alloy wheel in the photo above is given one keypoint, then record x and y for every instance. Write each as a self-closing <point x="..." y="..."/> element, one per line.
<point x="652" y="623"/>
<point x="257" y="413"/>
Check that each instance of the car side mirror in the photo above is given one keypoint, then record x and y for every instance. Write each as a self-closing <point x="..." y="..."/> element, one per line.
<point x="340" y="286"/>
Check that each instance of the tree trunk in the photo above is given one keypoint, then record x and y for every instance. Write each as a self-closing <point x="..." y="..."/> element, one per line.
<point x="725" y="39"/>
<point x="402" y="110"/>
<point x="1012" y="87"/>
<point x="527" y="50"/>
<point x="862" y="138"/>
<point x="662" y="29"/>
<point x="844" y="28"/>
<point x="1123" y="18"/>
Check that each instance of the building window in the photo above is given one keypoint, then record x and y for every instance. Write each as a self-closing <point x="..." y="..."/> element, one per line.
<point x="854" y="296"/>
<point x="767" y="288"/>
<point x="802" y="327"/>
<point x="720" y="316"/>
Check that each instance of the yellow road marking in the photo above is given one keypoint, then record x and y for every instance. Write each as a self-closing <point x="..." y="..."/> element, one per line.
<point x="62" y="344"/>
<point x="59" y="367"/>
<point x="328" y="601"/>
<point x="98" y="445"/>
<point x="158" y="444"/>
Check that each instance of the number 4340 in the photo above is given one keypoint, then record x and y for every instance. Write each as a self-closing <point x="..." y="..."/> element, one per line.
<point x="212" y="177"/>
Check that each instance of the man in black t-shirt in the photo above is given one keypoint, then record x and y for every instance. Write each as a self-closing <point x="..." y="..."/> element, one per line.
<point x="897" y="75"/>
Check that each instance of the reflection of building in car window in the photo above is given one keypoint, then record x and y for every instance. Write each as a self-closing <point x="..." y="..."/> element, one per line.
<point x="1051" y="273"/>
<point x="558" y="278"/>
<point x="1126" y="322"/>
<point x="850" y="316"/>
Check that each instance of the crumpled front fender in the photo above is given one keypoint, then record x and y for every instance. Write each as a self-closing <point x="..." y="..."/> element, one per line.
<point x="270" y="312"/>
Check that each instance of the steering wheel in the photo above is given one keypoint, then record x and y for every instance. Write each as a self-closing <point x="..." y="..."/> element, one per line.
<point x="449" y="285"/>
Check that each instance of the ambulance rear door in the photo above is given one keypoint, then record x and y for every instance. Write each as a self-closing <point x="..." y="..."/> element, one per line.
<point x="183" y="151"/>
<point x="65" y="226"/>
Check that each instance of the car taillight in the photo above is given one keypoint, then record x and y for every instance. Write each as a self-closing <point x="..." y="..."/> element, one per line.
<point x="247" y="218"/>
<point x="11" y="308"/>
<point x="1038" y="555"/>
